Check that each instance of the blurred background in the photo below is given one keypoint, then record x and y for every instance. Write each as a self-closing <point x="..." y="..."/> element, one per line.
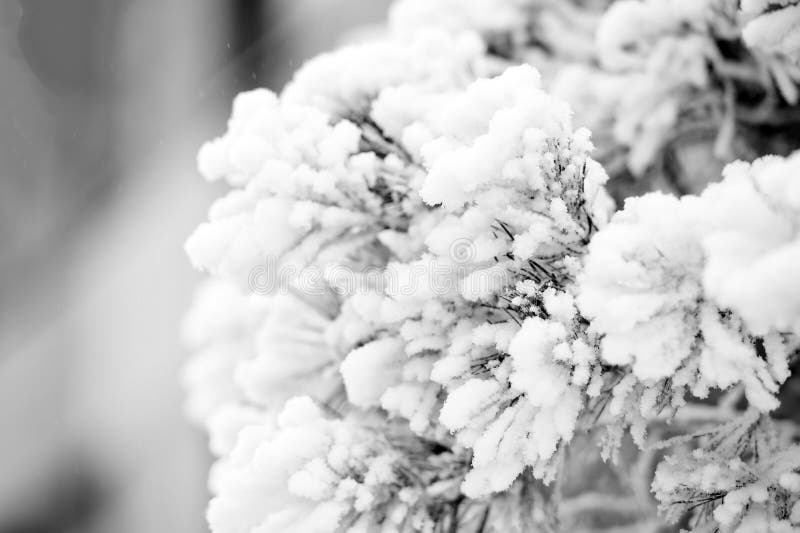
<point x="103" y="105"/>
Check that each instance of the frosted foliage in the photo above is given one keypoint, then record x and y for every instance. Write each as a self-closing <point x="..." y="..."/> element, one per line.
<point x="504" y="132"/>
<point x="541" y="409"/>
<point x="320" y="188"/>
<point x="544" y="33"/>
<point x="642" y="282"/>
<point x="309" y="473"/>
<point x="630" y="29"/>
<point x="345" y="81"/>
<point x="773" y="26"/>
<point x="423" y="314"/>
<point x="516" y="180"/>
<point x="297" y="351"/>
<point x="367" y="370"/>
<point x="516" y="185"/>
<point x="655" y="55"/>
<point x="754" y="253"/>
<point x="642" y="289"/>
<point x="742" y="479"/>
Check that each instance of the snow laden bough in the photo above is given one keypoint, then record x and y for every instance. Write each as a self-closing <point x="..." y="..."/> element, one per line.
<point x="509" y="176"/>
<point x="419" y="300"/>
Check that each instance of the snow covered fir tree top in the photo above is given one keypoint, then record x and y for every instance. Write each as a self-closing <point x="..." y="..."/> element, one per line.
<point x="514" y="266"/>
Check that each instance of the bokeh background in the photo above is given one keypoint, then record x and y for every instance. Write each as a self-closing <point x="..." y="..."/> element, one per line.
<point x="103" y="104"/>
